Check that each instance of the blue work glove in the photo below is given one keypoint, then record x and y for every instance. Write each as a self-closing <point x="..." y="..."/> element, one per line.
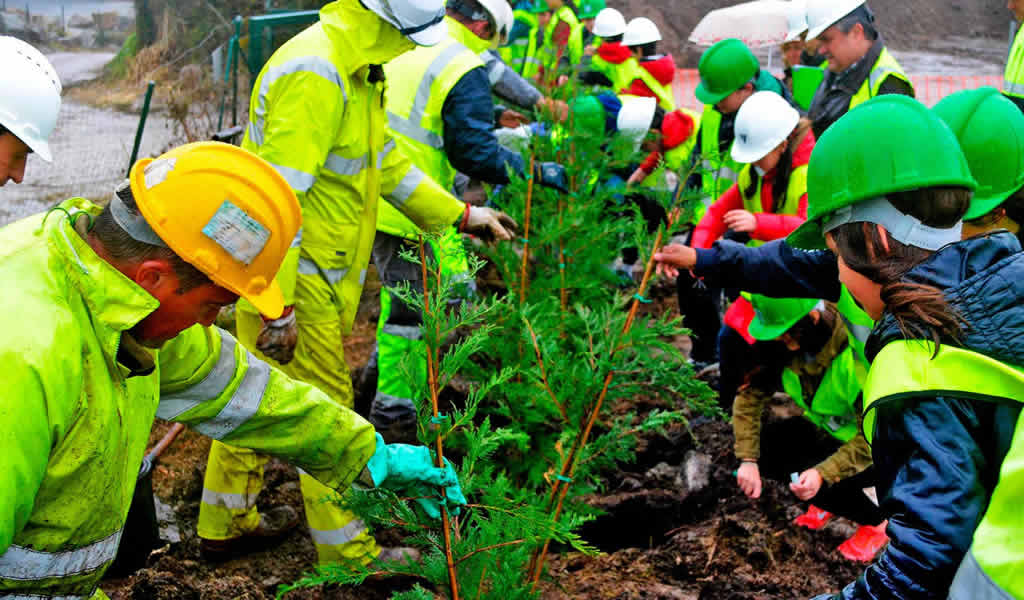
<point x="408" y="469"/>
<point x="552" y="175"/>
<point x="824" y="597"/>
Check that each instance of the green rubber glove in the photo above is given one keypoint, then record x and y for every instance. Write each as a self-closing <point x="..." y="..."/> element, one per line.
<point x="408" y="469"/>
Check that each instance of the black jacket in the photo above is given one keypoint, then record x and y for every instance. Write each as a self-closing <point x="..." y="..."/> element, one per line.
<point x="775" y="269"/>
<point x="937" y="457"/>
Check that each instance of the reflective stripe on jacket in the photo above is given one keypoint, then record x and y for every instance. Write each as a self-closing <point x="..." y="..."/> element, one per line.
<point x="992" y="568"/>
<point x="415" y="109"/>
<point x="1013" y="76"/>
<point x="316" y="115"/>
<point x="76" y="418"/>
<point x="884" y="67"/>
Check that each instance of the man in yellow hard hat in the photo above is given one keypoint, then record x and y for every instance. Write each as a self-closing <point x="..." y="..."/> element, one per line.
<point x="317" y="115"/>
<point x="111" y="327"/>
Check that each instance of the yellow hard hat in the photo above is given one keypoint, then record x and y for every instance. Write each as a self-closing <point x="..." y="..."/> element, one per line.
<point x="225" y="211"/>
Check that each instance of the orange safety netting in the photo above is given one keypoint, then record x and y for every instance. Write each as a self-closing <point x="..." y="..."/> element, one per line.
<point x="929" y="89"/>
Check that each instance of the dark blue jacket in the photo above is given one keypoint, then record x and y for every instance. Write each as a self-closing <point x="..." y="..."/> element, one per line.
<point x="775" y="269"/>
<point x="469" y="141"/>
<point x="937" y="458"/>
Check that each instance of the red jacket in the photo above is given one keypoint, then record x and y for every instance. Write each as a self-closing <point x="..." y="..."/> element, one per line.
<point x="676" y="128"/>
<point x="770" y="226"/>
<point x="664" y="71"/>
<point x="613" y="52"/>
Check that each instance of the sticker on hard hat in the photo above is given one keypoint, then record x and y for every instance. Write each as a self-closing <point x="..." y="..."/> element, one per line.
<point x="156" y="172"/>
<point x="237" y="233"/>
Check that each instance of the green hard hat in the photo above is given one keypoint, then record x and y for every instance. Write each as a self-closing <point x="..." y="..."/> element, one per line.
<point x="588" y="9"/>
<point x="724" y="68"/>
<point x="588" y="114"/>
<point x="891" y="143"/>
<point x="775" y="316"/>
<point x="991" y="132"/>
<point x="538" y="6"/>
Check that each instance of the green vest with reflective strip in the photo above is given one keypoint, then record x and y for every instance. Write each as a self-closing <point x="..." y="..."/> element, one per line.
<point x="421" y="80"/>
<point x="1013" y="77"/>
<point x="833" y="406"/>
<point x="885" y="67"/>
<point x="666" y="98"/>
<point x="790" y="204"/>
<point x="575" y="48"/>
<point x="718" y="171"/>
<point x="548" y="51"/>
<point x="521" y="53"/>
<point x="621" y="75"/>
<point x="858" y="323"/>
<point x="906" y="368"/>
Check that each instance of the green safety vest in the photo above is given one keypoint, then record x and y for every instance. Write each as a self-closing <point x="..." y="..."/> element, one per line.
<point x="621" y="75"/>
<point x="992" y="568"/>
<point x="666" y="98"/>
<point x="576" y="44"/>
<point x="790" y="205"/>
<point x="415" y="109"/>
<point x="1013" y="77"/>
<point x="885" y="67"/>
<point x="833" y="406"/>
<point x="858" y="323"/>
<point x="521" y="53"/>
<point x="548" y="51"/>
<point x="718" y="171"/>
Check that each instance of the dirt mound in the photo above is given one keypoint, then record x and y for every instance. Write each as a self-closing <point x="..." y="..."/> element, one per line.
<point x="914" y="25"/>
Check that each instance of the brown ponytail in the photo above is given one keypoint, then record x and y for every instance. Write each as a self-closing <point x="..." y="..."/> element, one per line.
<point x="921" y="311"/>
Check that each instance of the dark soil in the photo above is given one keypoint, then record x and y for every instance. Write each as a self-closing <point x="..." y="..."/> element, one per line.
<point x="675" y="525"/>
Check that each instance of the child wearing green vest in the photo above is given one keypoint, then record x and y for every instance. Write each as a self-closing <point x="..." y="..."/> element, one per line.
<point x="822" y="454"/>
<point x="942" y="398"/>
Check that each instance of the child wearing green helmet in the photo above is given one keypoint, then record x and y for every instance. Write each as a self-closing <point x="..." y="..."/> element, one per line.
<point x="821" y="454"/>
<point x="888" y="188"/>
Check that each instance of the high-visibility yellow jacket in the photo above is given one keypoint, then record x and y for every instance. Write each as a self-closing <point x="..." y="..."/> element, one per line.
<point x="415" y="109"/>
<point x="318" y="116"/>
<point x="80" y="398"/>
<point x="1013" y="76"/>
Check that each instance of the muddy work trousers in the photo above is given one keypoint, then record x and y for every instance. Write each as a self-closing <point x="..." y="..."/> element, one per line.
<point x="234" y="476"/>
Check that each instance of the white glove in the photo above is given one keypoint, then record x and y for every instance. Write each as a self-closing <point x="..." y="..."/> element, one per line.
<point x="481" y="219"/>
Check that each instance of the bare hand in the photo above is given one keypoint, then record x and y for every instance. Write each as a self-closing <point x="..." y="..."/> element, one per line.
<point x="512" y="119"/>
<point x="748" y="476"/>
<point x="558" y="110"/>
<point x="277" y="338"/>
<point x="636" y="178"/>
<point x="670" y="259"/>
<point x="808" y="485"/>
<point x="740" y="221"/>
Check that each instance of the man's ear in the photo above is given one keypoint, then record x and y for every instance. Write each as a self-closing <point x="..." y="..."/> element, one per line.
<point x="156" y="277"/>
<point x="816" y="316"/>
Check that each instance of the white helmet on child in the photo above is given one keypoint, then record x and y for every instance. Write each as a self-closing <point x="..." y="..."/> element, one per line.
<point x="31" y="100"/>
<point x="609" y="23"/>
<point x="635" y="118"/>
<point x="421" y="21"/>
<point x="639" y="31"/>
<point x="822" y="14"/>
<point x="762" y="123"/>
<point x="797" y="20"/>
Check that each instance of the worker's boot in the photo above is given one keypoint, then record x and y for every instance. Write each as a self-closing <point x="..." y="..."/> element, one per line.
<point x="274" y="525"/>
<point x="865" y="543"/>
<point x="815" y="518"/>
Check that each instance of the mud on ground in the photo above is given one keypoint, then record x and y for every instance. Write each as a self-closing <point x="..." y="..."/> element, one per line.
<point x="675" y="526"/>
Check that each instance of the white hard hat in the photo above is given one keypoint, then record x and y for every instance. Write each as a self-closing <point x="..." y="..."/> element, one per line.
<point x="797" y="20"/>
<point x="31" y="102"/>
<point x="639" y="31"/>
<point x="762" y="123"/>
<point x="822" y="14"/>
<point x="422" y="21"/>
<point x="609" y="22"/>
<point x="502" y="17"/>
<point x="635" y="118"/>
